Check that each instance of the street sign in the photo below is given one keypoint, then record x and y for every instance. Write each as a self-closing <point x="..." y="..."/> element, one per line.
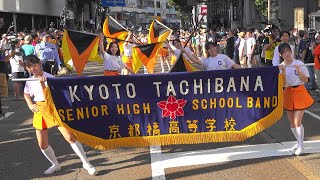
<point x="203" y="10"/>
<point x="109" y="3"/>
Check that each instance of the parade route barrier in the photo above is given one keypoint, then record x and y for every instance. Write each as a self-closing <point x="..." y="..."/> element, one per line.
<point x="107" y="112"/>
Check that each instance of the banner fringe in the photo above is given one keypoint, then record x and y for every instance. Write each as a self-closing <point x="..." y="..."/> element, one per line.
<point x="174" y="139"/>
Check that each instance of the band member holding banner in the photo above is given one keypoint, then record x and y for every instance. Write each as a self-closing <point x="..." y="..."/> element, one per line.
<point x="43" y="120"/>
<point x="127" y="52"/>
<point x="113" y="64"/>
<point x="296" y="97"/>
<point x="215" y="61"/>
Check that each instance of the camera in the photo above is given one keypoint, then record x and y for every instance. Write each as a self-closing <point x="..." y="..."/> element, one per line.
<point x="13" y="40"/>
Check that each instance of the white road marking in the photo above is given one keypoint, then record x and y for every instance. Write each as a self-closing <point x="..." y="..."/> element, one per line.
<point x="168" y="160"/>
<point x="312" y="114"/>
<point x="157" y="165"/>
<point x="6" y="115"/>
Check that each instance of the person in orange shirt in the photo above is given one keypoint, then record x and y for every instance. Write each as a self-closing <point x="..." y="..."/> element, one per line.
<point x="316" y="52"/>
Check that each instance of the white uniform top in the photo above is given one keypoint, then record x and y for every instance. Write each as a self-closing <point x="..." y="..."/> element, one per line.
<point x="34" y="88"/>
<point x="127" y="50"/>
<point x="219" y="62"/>
<point x="14" y="63"/>
<point x="276" y="56"/>
<point x="177" y="52"/>
<point x="292" y="78"/>
<point x="113" y="63"/>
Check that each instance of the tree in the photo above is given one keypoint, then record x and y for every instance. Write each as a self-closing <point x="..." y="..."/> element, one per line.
<point x="262" y="5"/>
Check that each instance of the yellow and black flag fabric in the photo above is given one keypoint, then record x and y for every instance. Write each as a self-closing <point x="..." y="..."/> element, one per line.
<point x="80" y="47"/>
<point x="146" y="55"/>
<point x="112" y="29"/>
<point x="158" y="32"/>
<point x="183" y="65"/>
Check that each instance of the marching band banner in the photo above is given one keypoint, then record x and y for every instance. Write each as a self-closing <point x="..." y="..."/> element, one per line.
<point x="162" y="109"/>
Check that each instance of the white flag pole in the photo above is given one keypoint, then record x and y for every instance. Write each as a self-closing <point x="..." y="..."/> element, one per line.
<point x="25" y="79"/>
<point x="307" y="64"/>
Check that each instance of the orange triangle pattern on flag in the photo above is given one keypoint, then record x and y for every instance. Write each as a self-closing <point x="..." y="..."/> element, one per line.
<point x="183" y="65"/>
<point x="78" y="46"/>
<point x="146" y="55"/>
<point x="112" y="29"/>
<point x="158" y="32"/>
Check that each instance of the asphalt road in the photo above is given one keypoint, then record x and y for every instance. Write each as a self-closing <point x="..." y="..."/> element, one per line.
<point x="264" y="156"/>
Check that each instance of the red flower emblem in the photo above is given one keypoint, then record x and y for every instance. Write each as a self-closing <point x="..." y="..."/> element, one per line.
<point x="172" y="107"/>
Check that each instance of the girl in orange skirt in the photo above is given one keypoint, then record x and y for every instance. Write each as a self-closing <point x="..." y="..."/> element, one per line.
<point x="296" y="97"/>
<point x="163" y="53"/>
<point x="43" y="120"/>
<point x="113" y="64"/>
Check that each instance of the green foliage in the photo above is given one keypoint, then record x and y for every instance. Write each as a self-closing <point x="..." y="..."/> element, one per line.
<point x="262" y="5"/>
<point x="181" y="5"/>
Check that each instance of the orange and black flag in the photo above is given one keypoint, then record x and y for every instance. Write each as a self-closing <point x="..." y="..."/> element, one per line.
<point x="80" y="47"/>
<point x="113" y="29"/>
<point x="158" y="32"/>
<point x="146" y="55"/>
<point x="183" y="65"/>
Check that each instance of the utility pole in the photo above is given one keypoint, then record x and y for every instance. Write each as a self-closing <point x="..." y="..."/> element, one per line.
<point x="269" y="4"/>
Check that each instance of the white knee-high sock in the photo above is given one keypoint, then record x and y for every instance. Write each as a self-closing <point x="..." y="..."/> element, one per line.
<point x="78" y="149"/>
<point x="50" y="155"/>
<point x="162" y="66"/>
<point x="294" y="131"/>
<point x="300" y="135"/>
<point x="169" y="68"/>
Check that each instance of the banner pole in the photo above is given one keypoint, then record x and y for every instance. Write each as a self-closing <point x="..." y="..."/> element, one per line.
<point x="308" y="64"/>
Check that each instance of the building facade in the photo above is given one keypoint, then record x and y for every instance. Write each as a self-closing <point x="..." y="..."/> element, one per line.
<point x="233" y="14"/>
<point x="29" y="14"/>
<point x="288" y="14"/>
<point x="142" y="12"/>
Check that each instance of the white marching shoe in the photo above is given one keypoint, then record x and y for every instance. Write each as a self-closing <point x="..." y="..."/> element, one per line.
<point x="299" y="151"/>
<point x="295" y="147"/>
<point x="52" y="169"/>
<point x="91" y="170"/>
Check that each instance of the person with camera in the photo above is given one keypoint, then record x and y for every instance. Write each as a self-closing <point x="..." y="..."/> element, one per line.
<point x="270" y="43"/>
<point x="306" y="56"/>
<point x="17" y="67"/>
<point x="48" y="54"/>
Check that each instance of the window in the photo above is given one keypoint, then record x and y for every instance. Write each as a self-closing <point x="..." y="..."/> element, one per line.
<point x="299" y="18"/>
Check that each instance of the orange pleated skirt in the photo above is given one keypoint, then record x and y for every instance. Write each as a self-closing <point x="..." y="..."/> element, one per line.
<point x="296" y="98"/>
<point x="127" y="60"/>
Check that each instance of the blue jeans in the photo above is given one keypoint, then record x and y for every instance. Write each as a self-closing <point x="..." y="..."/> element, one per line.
<point x="312" y="81"/>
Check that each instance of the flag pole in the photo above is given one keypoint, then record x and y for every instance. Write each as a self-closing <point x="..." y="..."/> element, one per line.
<point x="163" y="24"/>
<point x="188" y="40"/>
<point x="24" y="79"/>
<point x="308" y="64"/>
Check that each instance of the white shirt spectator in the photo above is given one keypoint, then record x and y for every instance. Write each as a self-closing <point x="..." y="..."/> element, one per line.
<point x="15" y="63"/>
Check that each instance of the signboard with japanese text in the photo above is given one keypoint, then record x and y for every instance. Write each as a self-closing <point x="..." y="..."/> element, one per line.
<point x="112" y="3"/>
<point x="161" y="109"/>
